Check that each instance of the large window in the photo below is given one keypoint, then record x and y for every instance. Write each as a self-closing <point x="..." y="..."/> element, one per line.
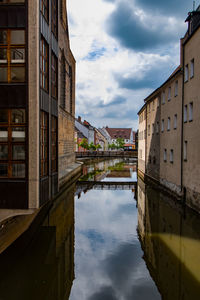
<point x="44" y="65"/>
<point x="53" y="144"/>
<point x="44" y="144"/>
<point x="12" y="55"/>
<point x="11" y="1"/>
<point x="54" y="17"/>
<point x="12" y="143"/>
<point x="45" y="9"/>
<point x="54" y="76"/>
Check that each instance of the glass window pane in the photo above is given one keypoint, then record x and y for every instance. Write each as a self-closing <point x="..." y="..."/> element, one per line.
<point x="3" y="37"/>
<point x="3" y="134"/>
<point x="17" y="37"/>
<point x="17" y="74"/>
<point x="18" y="134"/>
<point x="3" y="116"/>
<point x="3" y="74"/>
<point x="3" y="170"/>
<point x="18" y="55"/>
<point x="3" y="56"/>
<point x="18" y="170"/>
<point x="18" y="152"/>
<point x="4" y="152"/>
<point x="18" y="116"/>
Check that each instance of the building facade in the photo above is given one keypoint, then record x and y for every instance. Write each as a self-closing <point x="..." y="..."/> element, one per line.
<point x="176" y="143"/>
<point x="37" y="92"/>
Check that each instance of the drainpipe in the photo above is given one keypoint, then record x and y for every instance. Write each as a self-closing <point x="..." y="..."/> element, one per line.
<point x="145" y="139"/>
<point x="182" y="123"/>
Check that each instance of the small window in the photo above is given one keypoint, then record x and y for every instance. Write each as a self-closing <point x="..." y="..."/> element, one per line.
<point x="169" y="93"/>
<point x="162" y="125"/>
<point x="171" y="156"/>
<point x="152" y="128"/>
<point x="191" y="112"/>
<point x="175" y="121"/>
<point x="45" y="9"/>
<point x="176" y="89"/>
<point x="149" y="129"/>
<point x="185" y="113"/>
<point x="163" y="98"/>
<point x="168" y="124"/>
<point x="157" y="127"/>
<point x="192" y="68"/>
<point x="186" y="73"/>
<point x="165" y="155"/>
<point x="185" y="151"/>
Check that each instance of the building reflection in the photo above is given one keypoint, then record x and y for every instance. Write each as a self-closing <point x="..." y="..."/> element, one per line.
<point x="170" y="239"/>
<point x="40" y="263"/>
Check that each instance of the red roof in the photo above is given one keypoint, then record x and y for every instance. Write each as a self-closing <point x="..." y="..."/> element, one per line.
<point x="124" y="133"/>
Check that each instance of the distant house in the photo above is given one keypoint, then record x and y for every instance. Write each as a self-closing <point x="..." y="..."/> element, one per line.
<point x="127" y="134"/>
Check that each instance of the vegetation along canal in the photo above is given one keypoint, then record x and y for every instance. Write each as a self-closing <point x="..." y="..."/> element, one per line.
<point x="108" y="237"/>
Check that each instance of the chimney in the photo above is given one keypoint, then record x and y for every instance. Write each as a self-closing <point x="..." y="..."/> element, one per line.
<point x="79" y="118"/>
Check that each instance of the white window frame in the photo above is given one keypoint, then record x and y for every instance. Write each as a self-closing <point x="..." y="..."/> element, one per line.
<point x="190" y="111"/>
<point x="185" y="114"/>
<point x="175" y="121"/>
<point x="169" y="93"/>
<point x="186" y="73"/>
<point x="168" y="124"/>
<point x="171" y="156"/>
<point x="176" y="88"/>
<point x="192" y="68"/>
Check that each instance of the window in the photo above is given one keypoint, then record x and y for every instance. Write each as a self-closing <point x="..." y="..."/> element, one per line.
<point x="152" y="128"/>
<point x="168" y="124"/>
<point x="150" y="107"/>
<point x="12" y="56"/>
<point x="54" y="76"/>
<point x="153" y="104"/>
<point x="12" y="143"/>
<point x="158" y="101"/>
<point x="157" y="127"/>
<point x="54" y="17"/>
<point x="162" y="125"/>
<point x="175" y="121"/>
<point x="190" y="111"/>
<point x="186" y="73"/>
<point x="53" y="144"/>
<point x="165" y="155"/>
<point x="44" y="144"/>
<point x="176" y="89"/>
<point x="185" y="151"/>
<point x="163" y="98"/>
<point x="169" y="93"/>
<point x="11" y="1"/>
<point x="44" y="65"/>
<point x="192" y="68"/>
<point x="45" y="9"/>
<point x="185" y="113"/>
<point x="71" y="89"/>
<point x="63" y="82"/>
<point x="171" y="156"/>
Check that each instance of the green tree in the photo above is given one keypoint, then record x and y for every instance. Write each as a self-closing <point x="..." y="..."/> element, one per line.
<point x="112" y="146"/>
<point x="84" y="144"/>
<point x="98" y="147"/>
<point x="120" y="143"/>
<point x="92" y="146"/>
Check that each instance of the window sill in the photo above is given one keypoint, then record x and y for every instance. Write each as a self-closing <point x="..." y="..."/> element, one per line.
<point x="186" y="81"/>
<point x="191" y="76"/>
<point x="190" y="121"/>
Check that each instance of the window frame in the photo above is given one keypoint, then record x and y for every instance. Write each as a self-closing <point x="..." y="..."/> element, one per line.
<point x="44" y="65"/>
<point x="44" y="144"/>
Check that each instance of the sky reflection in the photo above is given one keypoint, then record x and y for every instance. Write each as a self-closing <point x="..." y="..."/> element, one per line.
<point x="108" y="256"/>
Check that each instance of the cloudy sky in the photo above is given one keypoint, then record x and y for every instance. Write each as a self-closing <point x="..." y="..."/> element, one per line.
<point x="124" y="49"/>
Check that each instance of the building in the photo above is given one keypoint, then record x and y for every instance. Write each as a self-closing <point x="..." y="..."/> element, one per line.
<point x="126" y="134"/>
<point x="169" y="142"/>
<point x="37" y="92"/>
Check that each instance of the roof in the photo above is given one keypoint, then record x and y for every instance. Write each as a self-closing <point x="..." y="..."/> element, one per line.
<point x="124" y="133"/>
<point x="80" y="134"/>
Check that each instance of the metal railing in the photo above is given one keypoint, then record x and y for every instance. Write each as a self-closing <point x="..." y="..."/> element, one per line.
<point x="106" y="154"/>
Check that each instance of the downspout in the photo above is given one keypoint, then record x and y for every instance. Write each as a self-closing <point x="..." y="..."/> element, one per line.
<point x="182" y="123"/>
<point x="145" y="137"/>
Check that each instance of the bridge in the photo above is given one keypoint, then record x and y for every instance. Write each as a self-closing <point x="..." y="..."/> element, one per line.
<point x="107" y="154"/>
<point x="83" y="186"/>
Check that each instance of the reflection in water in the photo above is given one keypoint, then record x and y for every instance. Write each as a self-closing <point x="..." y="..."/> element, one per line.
<point x="108" y="256"/>
<point x="40" y="264"/>
<point x="170" y="238"/>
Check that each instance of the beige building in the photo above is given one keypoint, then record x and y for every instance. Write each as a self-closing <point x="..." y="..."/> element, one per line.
<point x="37" y="91"/>
<point x="171" y="144"/>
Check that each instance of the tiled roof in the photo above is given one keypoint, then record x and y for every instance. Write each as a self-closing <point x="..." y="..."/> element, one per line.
<point x="124" y="133"/>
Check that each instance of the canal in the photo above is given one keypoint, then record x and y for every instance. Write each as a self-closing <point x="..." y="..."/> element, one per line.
<point x="108" y="237"/>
